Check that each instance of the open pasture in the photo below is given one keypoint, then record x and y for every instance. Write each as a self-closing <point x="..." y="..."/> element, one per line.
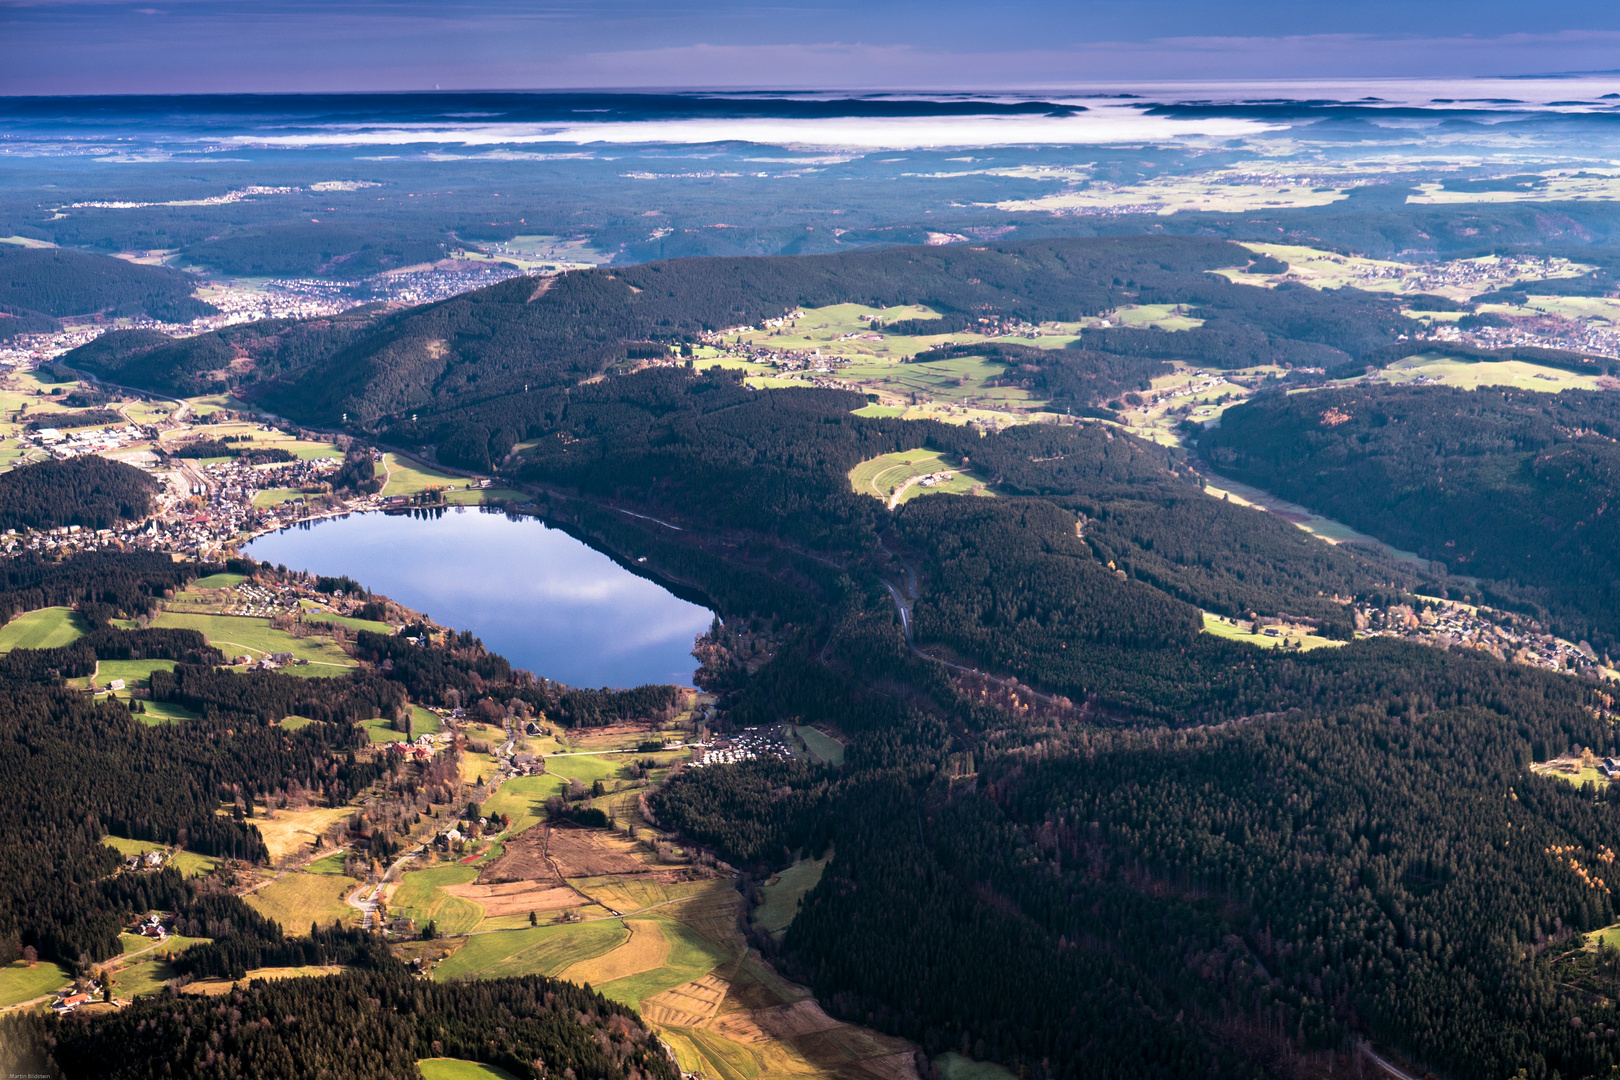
<point x="135" y="673"/>
<point x="1299" y="637"/>
<point x="895" y="477"/>
<point x="1466" y="375"/>
<point x="535" y="950"/>
<point x="216" y="987"/>
<point x="20" y="983"/>
<point x="298" y="899"/>
<point x="456" y="1069"/>
<point x="47" y="628"/>
<point x="821" y="744"/>
<point x="424" y="895"/>
<point x="245" y="634"/>
<point x="523" y="799"/>
<point x="293" y="832"/>
<point x="682" y="956"/>
<point x="782" y="894"/>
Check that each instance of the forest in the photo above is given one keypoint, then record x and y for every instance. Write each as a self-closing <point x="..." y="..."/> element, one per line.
<point x="1508" y="486"/>
<point x="40" y="285"/>
<point x="498" y="356"/>
<point x="368" y="1025"/>
<point x="88" y="491"/>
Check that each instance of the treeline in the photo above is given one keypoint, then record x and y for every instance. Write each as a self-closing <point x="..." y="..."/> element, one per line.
<point x="131" y="583"/>
<point x="79" y="419"/>
<point x="368" y="1025"/>
<point x="267" y="697"/>
<point x="598" y="708"/>
<point x="54" y="283"/>
<point x="1506" y="485"/>
<point x="88" y="491"/>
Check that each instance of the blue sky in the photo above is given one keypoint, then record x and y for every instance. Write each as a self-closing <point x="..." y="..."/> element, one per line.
<point x="86" y="46"/>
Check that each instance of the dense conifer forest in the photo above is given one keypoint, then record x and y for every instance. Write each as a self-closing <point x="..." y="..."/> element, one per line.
<point x="365" y="1025"/>
<point x="1506" y="485"/>
<point x="90" y="492"/>
<point x="39" y="285"/>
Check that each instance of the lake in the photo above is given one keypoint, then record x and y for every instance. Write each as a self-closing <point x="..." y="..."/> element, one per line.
<point x="536" y="595"/>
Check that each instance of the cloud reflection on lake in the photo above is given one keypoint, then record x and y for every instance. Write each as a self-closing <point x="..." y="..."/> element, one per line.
<point x="536" y="595"/>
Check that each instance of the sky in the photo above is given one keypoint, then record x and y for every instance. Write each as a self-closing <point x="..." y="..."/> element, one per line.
<point x="223" y="46"/>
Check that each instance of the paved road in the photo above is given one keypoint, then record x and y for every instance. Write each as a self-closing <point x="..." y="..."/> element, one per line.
<point x="367" y="904"/>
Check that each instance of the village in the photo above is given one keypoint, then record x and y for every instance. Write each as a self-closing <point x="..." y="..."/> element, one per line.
<point x="1450" y="625"/>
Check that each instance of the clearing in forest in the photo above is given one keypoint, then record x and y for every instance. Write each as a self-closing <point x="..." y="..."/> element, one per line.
<point x="47" y="628"/>
<point x="901" y="476"/>
<point x="782" y="893"/>
<point x="538" y="950"/>
<point x="292" y="832"/>
<point x="298" y="899"/>
<point x="237" y="635"/>
<point x="457" y="1069"/>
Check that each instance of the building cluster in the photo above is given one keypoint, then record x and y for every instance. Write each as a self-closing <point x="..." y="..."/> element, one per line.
<point x="1457" y="626"/>
<point x="1602" y="339"/>
<point x="69" y="443"/>
<point x="749" y="744"/>
<point x="1474" y="275"/>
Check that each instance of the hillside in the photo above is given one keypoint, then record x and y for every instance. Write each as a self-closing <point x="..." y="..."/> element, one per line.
<point x="87" y="491"/>
<point x="54" y="283"/>
<point x="1506" y="485"/>
<point x="491" y="356"/>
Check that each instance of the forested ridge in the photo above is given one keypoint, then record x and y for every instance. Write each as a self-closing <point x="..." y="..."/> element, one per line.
<point x="40" y="285"/>
<point x="1506" y="485"/>
<point x="87" y="491"/>
<point x="494" y="356"/>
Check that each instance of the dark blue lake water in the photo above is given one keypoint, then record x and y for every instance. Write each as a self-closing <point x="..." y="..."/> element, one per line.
<point x="536" y="595"/>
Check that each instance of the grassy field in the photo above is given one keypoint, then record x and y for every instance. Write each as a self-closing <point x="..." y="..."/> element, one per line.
<point x="189" y="863"/>
<point x="824" y="746"/>
<point x="523" y="798"/>
<point x="20" y="983"/>
<point x="881" y="477"/>
<point x="275" y="496"/>
<point x="539" y="950"/>
<point x="47" y="628"/>
<point x="215" y="987"/>
<point x="291" y="832"/>
<point x="1243" y="630"/>
<point x="219" y="581"/>
<point x="238" y="634"/>
<point x="299" y="899"/>
<point x="381" y="730"/>
<point x="456" y="1069"/>
<point x="782" y="895"/>
<point x="1436" y="368"/>
<point x="133" y="672"/>
<point x="420" y="897"/>
<point x="686" y="955"/>
<point x="163" y="712"/>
